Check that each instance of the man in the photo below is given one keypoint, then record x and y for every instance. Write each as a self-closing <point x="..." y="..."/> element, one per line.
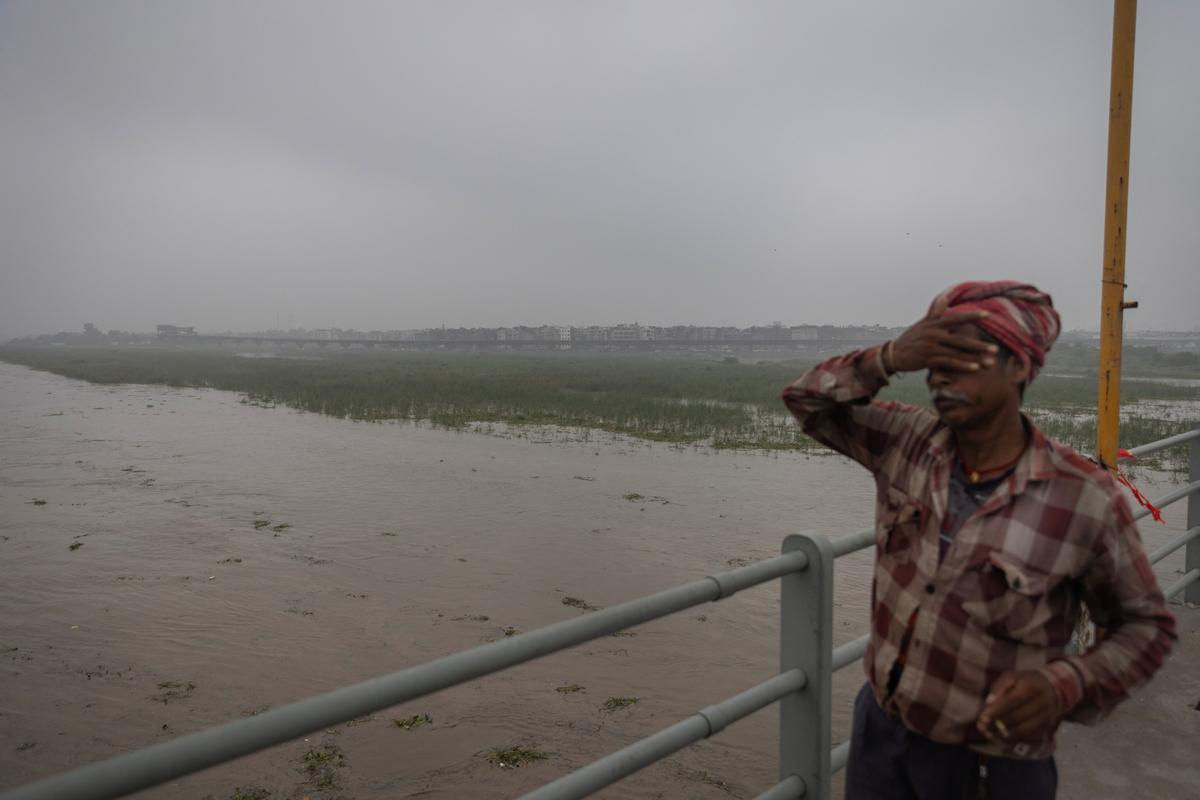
<point x="988" y="535"/>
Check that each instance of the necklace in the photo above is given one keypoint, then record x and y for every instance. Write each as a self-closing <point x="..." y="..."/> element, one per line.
<point x="973" y="475"/>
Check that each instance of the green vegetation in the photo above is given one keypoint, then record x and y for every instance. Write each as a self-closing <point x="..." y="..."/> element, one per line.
<point x="683" y="399"/>
<point x="513" y="757"/>
<point x="415" y="721"/>
<point x="250" y="793"/>
<point x="1136" y="362"/>
<point x="75" y="545"/>
<point x="570" y="688"/>
<point x="321" y="765"/>
<point x="613" y="703"/>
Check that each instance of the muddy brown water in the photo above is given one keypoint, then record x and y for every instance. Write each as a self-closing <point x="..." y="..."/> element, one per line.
<point x="403" y="544"/>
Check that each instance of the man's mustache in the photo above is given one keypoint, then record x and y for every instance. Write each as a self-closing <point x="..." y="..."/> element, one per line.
<point x="947" y="394"/>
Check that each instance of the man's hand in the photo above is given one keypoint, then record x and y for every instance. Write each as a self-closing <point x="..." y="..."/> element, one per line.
<point x="1021" y="707"/>
<point x="931" y="344"/>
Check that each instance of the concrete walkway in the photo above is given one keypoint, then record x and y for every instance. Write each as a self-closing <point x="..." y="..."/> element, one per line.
<point x="1150" y="746"/>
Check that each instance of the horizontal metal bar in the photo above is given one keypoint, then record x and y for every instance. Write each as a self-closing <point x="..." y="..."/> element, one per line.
<point x="850" y="652"/>
<point x="642" y="753"/>
<point x="1163" y="444"/>
<point x="1166" y="500"/>
<point x="1174" y="545"/>
<point x="159" y="763"/>
<point x="852" y="542"/>
<point x="735" y="580"/>
<point x="1181" y="584"/>
<point x="790" y="788"/>
<point x="839" y="756"/>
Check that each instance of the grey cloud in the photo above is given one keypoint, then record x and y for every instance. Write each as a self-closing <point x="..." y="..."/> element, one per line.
<point x="384" y="165"/>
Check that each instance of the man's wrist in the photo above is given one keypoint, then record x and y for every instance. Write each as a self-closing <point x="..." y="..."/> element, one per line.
<point x="1067" y="683"/>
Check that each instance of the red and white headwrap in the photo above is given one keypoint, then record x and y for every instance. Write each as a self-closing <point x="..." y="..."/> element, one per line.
<point x="1020" y="317"/>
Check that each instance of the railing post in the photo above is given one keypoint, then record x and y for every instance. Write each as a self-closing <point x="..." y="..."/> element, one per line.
<point x="806" y="642"/>
<point x="1192" y="554"/>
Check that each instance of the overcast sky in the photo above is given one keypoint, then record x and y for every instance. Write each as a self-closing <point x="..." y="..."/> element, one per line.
<point x="384" y="165"/>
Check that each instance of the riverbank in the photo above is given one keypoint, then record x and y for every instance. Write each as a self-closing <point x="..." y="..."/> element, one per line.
<point x="718" y="402"/>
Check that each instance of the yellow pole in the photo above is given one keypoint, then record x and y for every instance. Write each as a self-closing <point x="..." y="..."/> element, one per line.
<point x="1112" y="308"/>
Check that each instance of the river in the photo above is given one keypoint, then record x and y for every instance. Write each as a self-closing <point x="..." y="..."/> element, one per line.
<point x="233" y="558"/>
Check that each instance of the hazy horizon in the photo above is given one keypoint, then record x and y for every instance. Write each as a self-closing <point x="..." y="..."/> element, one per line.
<point x="397" y="166"/>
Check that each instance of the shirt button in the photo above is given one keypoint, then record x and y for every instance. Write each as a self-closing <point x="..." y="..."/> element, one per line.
<point x="929" y="588"/>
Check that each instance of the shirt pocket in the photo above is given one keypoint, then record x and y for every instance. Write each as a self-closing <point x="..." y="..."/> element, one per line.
<point x="1011" y="600"/>
<point x="898" y="525"/>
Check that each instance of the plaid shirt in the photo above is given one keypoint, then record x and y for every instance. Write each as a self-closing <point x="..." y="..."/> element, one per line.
<point x="1006" y="595"/>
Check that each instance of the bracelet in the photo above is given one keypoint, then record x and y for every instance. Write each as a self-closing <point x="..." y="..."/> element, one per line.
<point x="888" y="357"/>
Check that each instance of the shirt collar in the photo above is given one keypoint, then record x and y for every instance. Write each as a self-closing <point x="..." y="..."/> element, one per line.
<point x="1037" y="462"/>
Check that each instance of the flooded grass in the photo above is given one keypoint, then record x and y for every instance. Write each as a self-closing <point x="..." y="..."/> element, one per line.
<point x="673" y="398"/>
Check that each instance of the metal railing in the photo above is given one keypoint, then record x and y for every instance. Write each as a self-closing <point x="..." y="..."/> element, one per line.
<point x="1189" y="584"/>
<point x="807" y="759"/>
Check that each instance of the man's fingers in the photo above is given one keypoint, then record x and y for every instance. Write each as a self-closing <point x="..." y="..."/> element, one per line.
<point x="960" y="318"/>
<point x="940" y="304"/>
<point x="1011" y="705"/>
<point x="1000" y="689"/>
<point x="1031" y="729"/>
<point x="953" y="364"/>
<point x="1033" y="710"/>
<point x="966" y="344"/>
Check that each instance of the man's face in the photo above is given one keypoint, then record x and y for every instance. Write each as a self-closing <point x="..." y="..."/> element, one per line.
<point x="968" y="399"/>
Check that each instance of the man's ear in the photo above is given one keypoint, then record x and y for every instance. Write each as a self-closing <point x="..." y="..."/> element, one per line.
<point x="1018" y="371"/>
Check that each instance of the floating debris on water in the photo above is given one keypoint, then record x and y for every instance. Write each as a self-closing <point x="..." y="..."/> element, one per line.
<point x="174" y="690"/>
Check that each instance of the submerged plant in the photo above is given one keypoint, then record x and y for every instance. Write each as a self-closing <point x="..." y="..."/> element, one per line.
<point x="415" y="721"/>
<point x="614" y="703"/>
<point x="513" y="757"/>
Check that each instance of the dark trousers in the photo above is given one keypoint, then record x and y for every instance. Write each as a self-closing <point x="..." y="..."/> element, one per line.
<point x="890" y="762"/>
